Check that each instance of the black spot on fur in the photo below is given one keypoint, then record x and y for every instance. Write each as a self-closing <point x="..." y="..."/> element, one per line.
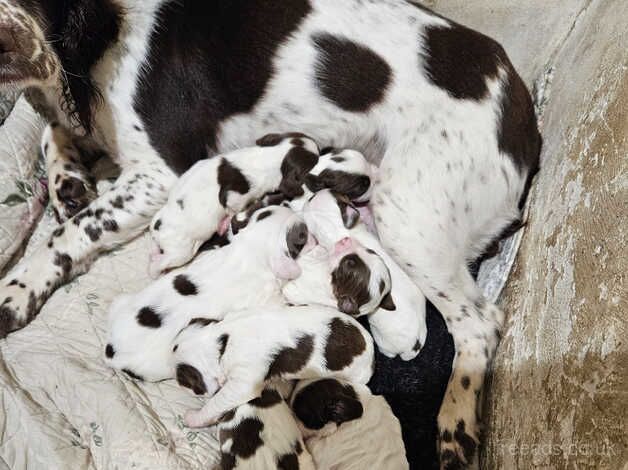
<point x="350" y="75"/>
<point x="338" y="159"/>
<point x="465" y="381"/>
<point x="73" y="195"/>
<point x="326" y="401"/>
<point x="267" y="399"/>
<point x="294" y="167"/>
<point x="262" y="215"/>
<point x="93" y="233"/>
<point x="64" y="261"/>
<point x="222" y="344"/>
<point x="224" y="73"/>
<point x="288" y="462"/>
<point x="417" y="346"/>
<point x="465" y="441"/>
<point x="296" y="238"/>
<point x="109" y="351"/>
<point x="230" y="179"/>
<point x="227" y="461"/>
<point x="180" y="203"/>
<point x="110" y="225"/>
<point x="148" y="317"/>
<point x="345" y="341"/>
<point x="58" y="231"/>
<point x="387" y="303"/>
<point x="190" y="377"/>
<point x="291" y="360"/>
<point x="246" y="437"/>
<point x="350" y="284"/>
<point x="157" y="225"/>
<point x="216" y="241"/>
<point x="270" y="140"/>
<point x="118" y="202"/>
<point x="133" y="375"/>
<point x="184" y="286"/>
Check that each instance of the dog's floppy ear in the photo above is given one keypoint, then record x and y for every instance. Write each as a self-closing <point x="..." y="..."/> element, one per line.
<point x="189" y="376"/>
<point x="387" y="303"/>
<point x="269" y="140"/>
<point x="294" y="168"/>
<point x="283" y="261"/>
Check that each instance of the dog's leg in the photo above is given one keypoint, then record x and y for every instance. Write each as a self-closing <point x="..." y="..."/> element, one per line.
<point x="113" y="218"/>
<point x="234" y="393"/>
<point x="70" y="186"/>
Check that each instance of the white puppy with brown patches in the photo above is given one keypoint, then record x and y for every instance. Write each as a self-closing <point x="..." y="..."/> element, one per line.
<point x="346" y="427"/>
<point x="208" y="193"/>
<point x="247" y="272"/>
<point x="398" y="325"/>
<point x="231" y="361"/>
<point x="263" y="434"/>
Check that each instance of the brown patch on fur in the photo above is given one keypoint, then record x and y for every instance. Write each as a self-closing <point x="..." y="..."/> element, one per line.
<point x="290" y="360"/>
<point x="345" y="341"/>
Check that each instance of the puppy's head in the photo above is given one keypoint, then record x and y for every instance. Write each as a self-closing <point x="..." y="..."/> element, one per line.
<point x="360" y="279"/>
<point x="138" y="339"/>
<point x="276" y="232"/>
<point x="344" y="171"/>
<point x="322" y="405"/>
<point x="170" y="247"/>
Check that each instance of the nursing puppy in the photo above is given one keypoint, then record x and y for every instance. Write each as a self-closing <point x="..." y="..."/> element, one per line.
<point x="213" y="189"/>
<point x="346" y="427"/>
<point x="263" y="434"/>
<point x="245" y="273"/>
<point x="231" y="361"/>
<point x="398" y="325"/>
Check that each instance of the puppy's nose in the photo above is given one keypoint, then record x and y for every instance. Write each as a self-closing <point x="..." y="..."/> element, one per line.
<point x="343" y="245"/>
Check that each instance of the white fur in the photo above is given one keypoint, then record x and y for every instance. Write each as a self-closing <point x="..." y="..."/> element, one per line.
<point x="254" y="336"/>
<point x="240" y="275"/>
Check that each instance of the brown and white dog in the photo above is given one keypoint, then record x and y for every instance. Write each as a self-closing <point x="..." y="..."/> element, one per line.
<point x="232" y="360"/>
<point x="160" y="85"/>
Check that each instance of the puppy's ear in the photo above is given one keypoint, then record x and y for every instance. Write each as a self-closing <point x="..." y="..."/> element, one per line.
<point x="269" y="140"/>
<point x="350" y="216"/>
<point x="387" y="303"/>
<point x="190" y="377"/>
<point x="313" y="183"/>
<point x="283" y="261"/>
<point x="295" y="166"/>
<point x="348" y="305"/>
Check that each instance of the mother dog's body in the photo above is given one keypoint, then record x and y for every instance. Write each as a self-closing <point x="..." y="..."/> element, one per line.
<point x="183" y="80"/>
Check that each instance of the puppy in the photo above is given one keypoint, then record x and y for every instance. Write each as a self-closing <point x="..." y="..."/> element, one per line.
<point x="204" y="196"/>
<point x="263" y="434"/>
<point x="346" y="427"/>
<point x="398" y="325"/>
<point x="231" y="361"/>
<point x="245" y="273"/>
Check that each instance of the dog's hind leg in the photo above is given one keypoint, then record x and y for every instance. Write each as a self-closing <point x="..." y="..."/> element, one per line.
<point x="115" y="217"/>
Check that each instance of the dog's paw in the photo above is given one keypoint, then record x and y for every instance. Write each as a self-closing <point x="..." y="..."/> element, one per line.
<point x="459" y="434"/>
<point x="18" y="305"/>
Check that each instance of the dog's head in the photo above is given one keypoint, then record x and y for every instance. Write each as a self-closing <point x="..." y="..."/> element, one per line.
<point x="275" y="232"/>
<point x="322" y="405"/>
<point x="343" y="171"/>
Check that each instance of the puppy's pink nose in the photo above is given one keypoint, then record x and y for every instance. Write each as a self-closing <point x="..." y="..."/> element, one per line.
<point x="343" y="245"/>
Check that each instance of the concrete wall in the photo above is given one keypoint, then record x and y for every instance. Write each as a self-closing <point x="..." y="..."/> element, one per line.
<point x="559" y="392"/>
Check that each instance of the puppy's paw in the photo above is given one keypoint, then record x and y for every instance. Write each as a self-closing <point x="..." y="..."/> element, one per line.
<point x="458" y="433"/>
<point x="18" y="306"/>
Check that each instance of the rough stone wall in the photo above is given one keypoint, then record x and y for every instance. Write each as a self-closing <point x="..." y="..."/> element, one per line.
<point x="559" y="390"/>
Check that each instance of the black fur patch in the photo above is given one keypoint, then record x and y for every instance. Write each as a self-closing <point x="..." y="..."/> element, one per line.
<point x="465" y="382"/>
<point x="245" y="437"/>
<point x="352" y="185"/>
<point x="73" y="195"/>
<point x="64" y="261"/>
<point x="267" y="399"/>
<point x="184" y="286"/>
<point x="110" y="225"/>
<point x="262" y="215"/>
<point x="148" y="317"/>
<point x="460" y="60"/>
<point x="350" y="75"/>
<point x="189" y="377"/>
<point x="80" y="32"/>
<point x="288" y="462"/>
<point x="157" y="225"/>
<point x="270" y="140"/>
<point x="215" y="242"/>
<point x="93" y="233"/>
<point x="230" y="179"/>
<point x="296" y="238"/>
<point x="387" y="303"/>
<point x="345" y="341"/>
<point x="291" y="360"/>
<point x="109" y="351"/>
<point x="350" y="284"/>
<point x="294" y="167"/>
<point x="326" y="401"/>
<point x="201" y="321"/>
<point x="222" y="344"/>
<point x="224" y="73"/>
<point x="465" y="441"/>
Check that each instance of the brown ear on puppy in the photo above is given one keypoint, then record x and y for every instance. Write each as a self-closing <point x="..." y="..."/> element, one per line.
<point x="189" y="377"/>
<point x="387" y="303"/>
<point x="269" y="140"/>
